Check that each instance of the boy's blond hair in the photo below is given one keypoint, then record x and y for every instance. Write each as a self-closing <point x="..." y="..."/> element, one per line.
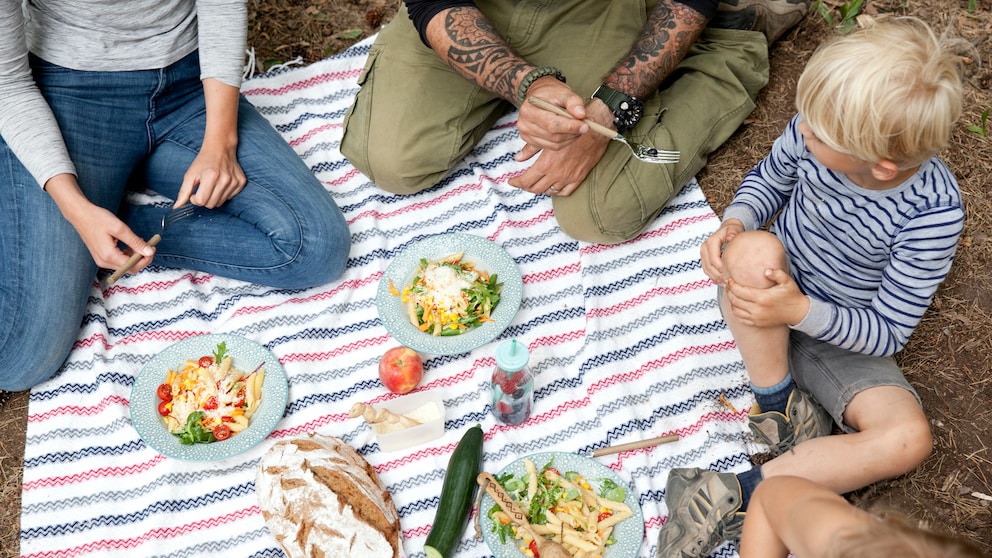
<point x="894" y="535"/>
<point x="889" y="91"/>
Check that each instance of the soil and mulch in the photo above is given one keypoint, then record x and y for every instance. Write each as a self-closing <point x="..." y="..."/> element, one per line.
<point x="949" y="357"/>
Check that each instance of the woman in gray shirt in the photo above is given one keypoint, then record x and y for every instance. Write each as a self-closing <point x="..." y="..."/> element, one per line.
<point x="101" y="96"/>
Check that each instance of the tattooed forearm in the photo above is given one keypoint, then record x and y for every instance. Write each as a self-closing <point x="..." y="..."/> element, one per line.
<point x="670" y="31"/>
<point x="476" y="51"/>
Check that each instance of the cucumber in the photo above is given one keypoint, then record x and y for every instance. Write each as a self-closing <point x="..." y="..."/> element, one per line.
<point x="457" y="494"/>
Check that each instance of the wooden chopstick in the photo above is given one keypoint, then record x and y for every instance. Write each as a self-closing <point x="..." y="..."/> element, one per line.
<point x="636" y="445"/>
<point x="593" y="125"/>
<point x="131" y="261"/>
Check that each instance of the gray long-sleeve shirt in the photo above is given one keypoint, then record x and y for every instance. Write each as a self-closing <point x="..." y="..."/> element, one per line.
<point x="103" y="35"/>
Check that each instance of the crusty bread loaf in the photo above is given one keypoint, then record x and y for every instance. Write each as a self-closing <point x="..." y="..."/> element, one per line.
<point x="320" y="498"/>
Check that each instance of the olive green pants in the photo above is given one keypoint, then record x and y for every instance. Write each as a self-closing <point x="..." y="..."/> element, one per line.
<point x="414" y="118"/>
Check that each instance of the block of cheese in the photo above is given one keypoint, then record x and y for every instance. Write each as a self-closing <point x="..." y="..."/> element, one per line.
<point x="320" y="498"/>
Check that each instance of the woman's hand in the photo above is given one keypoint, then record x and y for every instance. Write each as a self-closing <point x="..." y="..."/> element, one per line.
<point x="215" y="175"/>
<point x="99" y="228"/>
<point x="711" y="252"/>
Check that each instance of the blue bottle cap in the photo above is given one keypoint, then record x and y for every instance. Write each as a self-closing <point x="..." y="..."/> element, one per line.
<point x="512" y="355"/>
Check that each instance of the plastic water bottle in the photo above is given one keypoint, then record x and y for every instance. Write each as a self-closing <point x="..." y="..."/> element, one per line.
<point x="512" y="383"/>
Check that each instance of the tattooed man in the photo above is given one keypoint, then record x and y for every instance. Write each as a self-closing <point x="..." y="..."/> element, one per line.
<point x="674" y="74"/>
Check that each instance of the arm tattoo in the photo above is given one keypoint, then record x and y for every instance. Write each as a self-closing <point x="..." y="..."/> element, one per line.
<point x="670" y="31"/>
<point x="477" y="52"/>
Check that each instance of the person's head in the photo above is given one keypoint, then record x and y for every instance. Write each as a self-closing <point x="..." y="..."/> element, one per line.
<point x="893" y="535"/>
<point x="890" y="91"/>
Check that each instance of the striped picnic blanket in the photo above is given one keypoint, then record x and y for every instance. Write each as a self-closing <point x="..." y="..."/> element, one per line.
<point x="626" y="343"/>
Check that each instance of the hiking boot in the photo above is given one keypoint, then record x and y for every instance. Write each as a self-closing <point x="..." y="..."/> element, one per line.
<point x="804" y="419"/>
<point x="703" y="512"/>
<point x="771" y="17"/>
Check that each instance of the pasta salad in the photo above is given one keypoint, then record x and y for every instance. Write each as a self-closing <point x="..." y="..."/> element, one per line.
<point x="449" y="296"/>
<point x="207" y="399"/>
<point x="563" y="507"/>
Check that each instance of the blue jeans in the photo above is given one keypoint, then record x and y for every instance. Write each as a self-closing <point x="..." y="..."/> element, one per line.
<point x="141" y="130"/>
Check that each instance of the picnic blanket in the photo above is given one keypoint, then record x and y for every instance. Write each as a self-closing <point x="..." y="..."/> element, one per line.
<point x="626" y="343"/>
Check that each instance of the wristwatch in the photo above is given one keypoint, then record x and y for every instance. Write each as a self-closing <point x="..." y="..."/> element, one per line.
<point x="627" y="109"/>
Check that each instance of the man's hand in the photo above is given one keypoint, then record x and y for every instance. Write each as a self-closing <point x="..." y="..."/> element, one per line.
<point x="542" y="129"/>
<point x="568" y="149"/>
<point x="781" y="304"/>
<point x="560" y="172"/>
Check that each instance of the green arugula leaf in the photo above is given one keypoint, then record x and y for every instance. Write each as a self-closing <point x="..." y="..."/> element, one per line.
<point x="193" y="432"/>
<point x="220" y="352"/>
<point x="612" y="491"/>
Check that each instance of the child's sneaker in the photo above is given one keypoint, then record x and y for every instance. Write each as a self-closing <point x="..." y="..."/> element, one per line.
<point x="703" y="512"/>
<point x="803" y="420"/>
<point x="771" y="17"/>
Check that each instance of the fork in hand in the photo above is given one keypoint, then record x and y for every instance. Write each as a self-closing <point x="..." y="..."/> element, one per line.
<point x="642" y="152"/>
<point x="168" y="219"/>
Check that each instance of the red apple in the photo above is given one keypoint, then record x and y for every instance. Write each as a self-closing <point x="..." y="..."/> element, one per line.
<point x="400" y="369"/>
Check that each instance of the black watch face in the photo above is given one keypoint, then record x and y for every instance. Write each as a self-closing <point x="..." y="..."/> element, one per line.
<point x="627" y="110"/>
<point x="628" y="115"/>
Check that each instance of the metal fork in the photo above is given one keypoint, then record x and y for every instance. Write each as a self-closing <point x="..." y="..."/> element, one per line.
<point x="643" y="152"/>
<point x="167" y="219"/>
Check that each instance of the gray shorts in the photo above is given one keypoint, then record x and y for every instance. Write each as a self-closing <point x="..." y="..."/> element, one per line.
<point x="834" y="375"/>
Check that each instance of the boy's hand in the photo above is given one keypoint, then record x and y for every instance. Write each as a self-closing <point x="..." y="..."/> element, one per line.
<point x="711" y="252"/>
<point x="781" y="304"/>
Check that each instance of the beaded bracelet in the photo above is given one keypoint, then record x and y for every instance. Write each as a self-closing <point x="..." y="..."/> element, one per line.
<point x="534" y="75"/>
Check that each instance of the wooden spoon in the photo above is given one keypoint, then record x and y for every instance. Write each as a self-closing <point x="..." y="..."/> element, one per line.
<point x="547" y="548"/>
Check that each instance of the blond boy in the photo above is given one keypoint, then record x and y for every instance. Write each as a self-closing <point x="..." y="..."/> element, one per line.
<point x="865" y="221"/>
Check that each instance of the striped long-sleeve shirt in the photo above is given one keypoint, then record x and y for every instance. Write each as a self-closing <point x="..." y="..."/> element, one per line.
<point x="869" y="260"/>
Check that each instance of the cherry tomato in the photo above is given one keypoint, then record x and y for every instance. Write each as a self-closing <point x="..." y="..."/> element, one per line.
<point x="164" y="408"/>
<point x="210" y="404"/>
<point x="205" y="361"/>
<point x="222" y="432"/>
<point x="165" y="392"/>
<point x="226" y="418"/>
<point x="604" y="515"/>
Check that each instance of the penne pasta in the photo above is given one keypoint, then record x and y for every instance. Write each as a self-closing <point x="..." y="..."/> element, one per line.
<point x="579" y="542"/>
<point x="208" y="399"/>
<point x="532" y="484"/>
<point x="609" y="522"/>
<point x="449" y="296"/>
<point x="576" y="516"/>
<point x="238" y="423"/>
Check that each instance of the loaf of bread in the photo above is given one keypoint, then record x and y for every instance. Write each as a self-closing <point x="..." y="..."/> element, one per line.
<point x="320" y="498"/>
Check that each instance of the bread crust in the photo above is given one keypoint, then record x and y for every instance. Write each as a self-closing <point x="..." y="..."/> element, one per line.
<point x="321" y="498"/>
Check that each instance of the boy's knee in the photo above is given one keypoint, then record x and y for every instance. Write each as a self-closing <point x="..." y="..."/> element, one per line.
<point x="750" y="253"/>
<point x="912" y="444"/>
<point x="903" y="446"/>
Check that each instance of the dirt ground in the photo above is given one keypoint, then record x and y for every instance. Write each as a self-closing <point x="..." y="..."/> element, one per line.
<point x="948" y="358"/>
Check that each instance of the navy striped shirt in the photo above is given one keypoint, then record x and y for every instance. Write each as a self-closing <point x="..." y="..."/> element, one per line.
<point x="869" y="260"/>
